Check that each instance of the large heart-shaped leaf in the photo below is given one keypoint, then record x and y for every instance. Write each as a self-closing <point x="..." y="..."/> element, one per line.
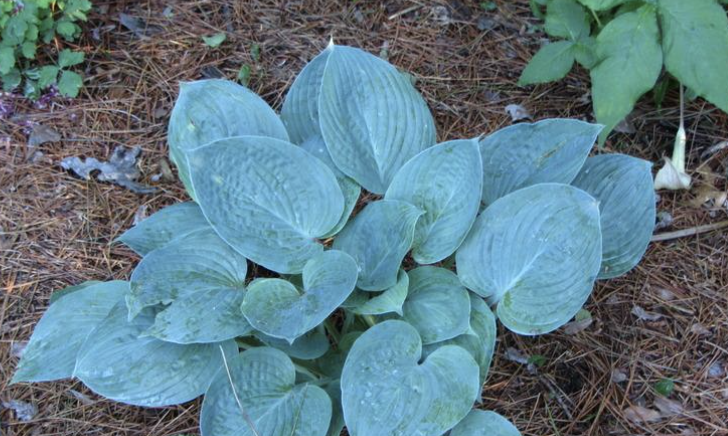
<point x="300" y="111"/>
<point x="437" y="305"/>
<point x="387" y="392"/>
<point x="309" y="346"/>
<point x="694" y="40"/>
<point x="277" y="308"/>
<point x="265" y="385"/>
<point x="267" y="198"/>
<point x="208" y="110"/>
<point x="351" y="190"/>
<point x="536" y="253"/>
<point x="371" y="117"/>
<point x="623" y="186"/>
<point x="479" y="341"/>
<point x="445" y="181"/>
<point x="121" y="363"/>
<point x="201" y="280"/>
<point x="169" y="223"/>
<point x="52" y="349"/>
<point x="388" y="301"/>
<point x="378" y="238"/>
<point x="622" y="76"/>
<point x="526" y="154"/>
<point x="482" y="423"/>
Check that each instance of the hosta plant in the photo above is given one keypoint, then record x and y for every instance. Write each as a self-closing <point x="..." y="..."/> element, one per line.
<point x="626" y="43"/>
<point x="309" y="285"/>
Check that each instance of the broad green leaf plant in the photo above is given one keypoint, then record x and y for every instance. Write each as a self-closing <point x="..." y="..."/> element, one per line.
<point x="626" y="45"/>
<point x="24" y="27"/>
<point x="348" y="319"/>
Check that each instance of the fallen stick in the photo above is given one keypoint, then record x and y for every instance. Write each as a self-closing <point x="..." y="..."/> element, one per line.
<point x="689" y="232"/>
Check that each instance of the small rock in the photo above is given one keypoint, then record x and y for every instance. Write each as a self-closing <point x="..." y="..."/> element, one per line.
<point x="517" y="112"/>
<point x="716" y="369"/>
<point x="699" y="329"/>
<point x="618" y="376"/>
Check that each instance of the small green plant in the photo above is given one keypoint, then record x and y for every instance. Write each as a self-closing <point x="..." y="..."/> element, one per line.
<point x="338" y="326"/>
<point x="27" y="24"/>
<point x="626" y="43"/>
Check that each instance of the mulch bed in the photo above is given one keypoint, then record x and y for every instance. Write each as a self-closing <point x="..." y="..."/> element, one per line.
<point x="55" y="228"/>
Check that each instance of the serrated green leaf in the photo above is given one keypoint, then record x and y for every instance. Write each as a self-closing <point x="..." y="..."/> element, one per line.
<point x="695" y="37"/>
<point x="386" y="391"/>
<point x="11" y="80"/>
<point x="27" y="49"/>
<point x="445" y="181"/>
<point x="14" y="31"/>
<point x="437" y="305"/>
<point x="378" y="238"/>
<point x="164" y="226"/>
<point x="484" y="423"/>
<point x="549" y="151"/>
<point x="69" y="58"/>
<point x="552" y="62"/>
<point x="361" y="103"/>
<point x="48" y="76"/>
<point x="278" y="309"/>
<point x="207" y="110"/>
<point x="566" y="19"/>
<point x="7" y="60"/>
<point x="52" y="350"/>
<point x="600" y="5"/>
<point x="214" y="41"/>
<point x="623" y="186"/>
<point x="120" y="363"/>
<point x="535" y="253"/>
<point x="70" y="83"/>
<point x="66" y="29"/>
<point x="630" y="61"/>
<point x="200" y="280"/>
<point x="265" y="383"/>
<point x="284" y="198"/>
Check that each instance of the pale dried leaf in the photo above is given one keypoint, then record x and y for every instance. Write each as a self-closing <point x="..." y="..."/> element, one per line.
<point x="699" y="329"/>
<point x="639" y="414"/>
<point x="644" y="315"/>
<point x="42" y="134"/>
<point x="23" y="411"/>
<point x="17" y="348"/>
<point x="517" y="112"/>
<point x="670" y="178"/>
<point x="668" y="407"/>
<point x="515" y="355"/>
<point x="618" y="376"/>
<point x="575" y="327"/>
<point x="83" y="398"/>
<point x="716" y="369"/>
<point x="666" y="294"/>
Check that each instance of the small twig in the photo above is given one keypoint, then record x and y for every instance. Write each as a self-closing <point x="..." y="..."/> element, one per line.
<point x="689" y="232"/>
<point x="235" y="394"/>
<point x="403" y="12"/>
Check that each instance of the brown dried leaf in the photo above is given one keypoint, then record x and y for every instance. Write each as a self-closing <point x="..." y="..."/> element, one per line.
<point x="668" y="407"/>
<point x="640" y="414"/>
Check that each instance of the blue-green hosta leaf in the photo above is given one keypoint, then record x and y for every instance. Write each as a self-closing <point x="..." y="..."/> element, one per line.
<point x="378" y="238"/>
<point x="624" y="188"/>
<point x="201" y="280"/>
<point x="337" y="415"/>
<point x="694" y="40"/>
<point x="351" y="190"/>
<point x="372" y="118"/>
<point x="332" y="363"/>
<point x="207" y="110"/>
<point x="387" y="392"/>
<point x="265" y="383"/>
<point x="121" y="363"/>
<point x="300" y="111"/>
<point x="52" y="349"/>
<point x="446" y="182"/>
<point x="484" y="423"/>
<point x="309" y="346"/>
<point x="388" y="301"/>
<point x="536" y="253"/>
<point x="267" y="198"/>
<point x="479" y="341"/>
<point x="56" y="295"/>
<point x="437" y="305"/>
<point x="622" y="75"/>
<point x="549" y="151"/>
<point x="169" y="223"/>
<point x="277" y="308"/>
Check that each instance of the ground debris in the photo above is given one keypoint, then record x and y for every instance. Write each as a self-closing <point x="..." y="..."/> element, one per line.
<point x="668" y="407"/>
<point x="41" y="134"/>
<point x="640" y="414"/>
<point x="23" y="411"/>
<point x="120" y="169"/>
<point x="644" y="315"/>
<point x="517" y="112"/>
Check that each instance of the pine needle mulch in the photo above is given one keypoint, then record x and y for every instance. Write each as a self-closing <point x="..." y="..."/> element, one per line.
<point x="667" y="319"/>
